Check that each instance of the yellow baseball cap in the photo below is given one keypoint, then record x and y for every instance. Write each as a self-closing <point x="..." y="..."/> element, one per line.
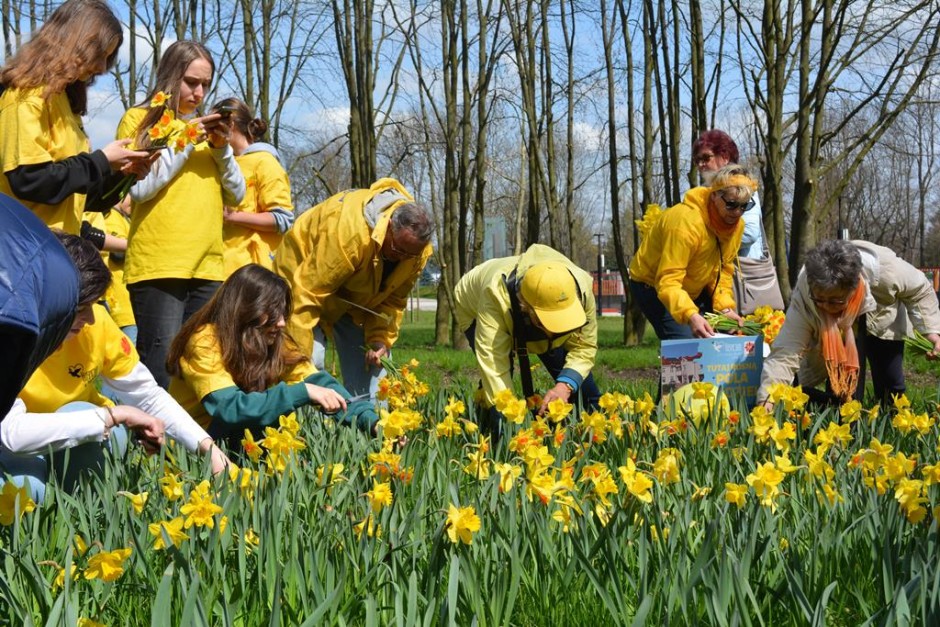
<point x="550" y="290"/>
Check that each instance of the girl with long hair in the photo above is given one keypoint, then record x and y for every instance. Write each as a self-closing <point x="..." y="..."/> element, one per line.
<point x="234" y="366"/>
<point x="45" y="156"/>
<point x="174" y="254"/>
<point x="254" y="228"/>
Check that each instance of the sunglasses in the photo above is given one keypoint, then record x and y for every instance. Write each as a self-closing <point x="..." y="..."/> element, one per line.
<point x="736" y="206"/>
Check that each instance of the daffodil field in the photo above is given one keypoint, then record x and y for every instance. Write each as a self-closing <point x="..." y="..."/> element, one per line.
<point x="637" y="514"/>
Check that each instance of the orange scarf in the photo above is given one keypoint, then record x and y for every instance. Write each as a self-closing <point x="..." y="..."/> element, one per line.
<point x="717" y="225"/>
<point x="841" y="355"/>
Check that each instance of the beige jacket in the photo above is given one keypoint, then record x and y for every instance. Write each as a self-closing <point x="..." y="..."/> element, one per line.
<point x="898" y="298"/>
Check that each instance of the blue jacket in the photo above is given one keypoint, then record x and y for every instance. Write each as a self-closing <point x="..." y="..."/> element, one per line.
<point x="38" y="296"/>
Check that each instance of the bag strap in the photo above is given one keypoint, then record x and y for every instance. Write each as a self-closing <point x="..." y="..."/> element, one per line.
<point x="518" y="342"/>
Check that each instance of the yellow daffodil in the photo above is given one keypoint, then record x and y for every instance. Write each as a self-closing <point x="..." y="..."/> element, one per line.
<point x="462" y="523"/>
<point x="765" y="480"/>
<point x="107" y="565"/>
<point x="171" y="487"/>
<point x="14" y="501"/>
<point x="200" y="510"/>
<point x="368" y="525"/>
<point x="59" y="580"/>
<point x="478" y="466"/>
<point x="379" y="496"/>
<point x="137" y="500"/>
<point x="508" y="474"/>
<point x="173" y="529"/>
<point x="159" y="99"/>
<point x="736" y="494"/>
<point x="251" y="540"/>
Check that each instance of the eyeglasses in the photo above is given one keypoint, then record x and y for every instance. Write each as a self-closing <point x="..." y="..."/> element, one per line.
<point x="830" y="302"/>
<point x="731" y="205"/>
<point x="704" y="157"/>
<point x="401" y="254"/>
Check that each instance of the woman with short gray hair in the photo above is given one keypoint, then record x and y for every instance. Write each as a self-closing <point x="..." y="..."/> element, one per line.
<point x="852" y="301"/>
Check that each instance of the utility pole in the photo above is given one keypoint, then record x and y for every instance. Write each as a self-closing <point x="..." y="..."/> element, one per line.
<point x="600" y="280"/>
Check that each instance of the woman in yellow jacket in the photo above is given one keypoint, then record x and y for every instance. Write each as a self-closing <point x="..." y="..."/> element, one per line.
<point x="174" y="252"/>
<point x="45" y="157"/>
<point x="684" y="265"/>
<point x="254" y="228"/>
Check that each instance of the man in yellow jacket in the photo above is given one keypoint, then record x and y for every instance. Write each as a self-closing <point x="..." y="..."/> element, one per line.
<point x="539" y="302"/>
<point x="351" y="261"/>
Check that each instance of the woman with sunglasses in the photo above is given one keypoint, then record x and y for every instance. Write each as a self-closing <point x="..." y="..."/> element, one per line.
<point x="684" y="265"/>
<point x="852" y="301"/>
<point x="712" y="151"/>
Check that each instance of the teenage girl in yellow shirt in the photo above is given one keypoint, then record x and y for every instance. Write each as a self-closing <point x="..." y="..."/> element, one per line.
<point x="45" y="155"/>
<point x="174" y="253"/>
<point x="254" y="228"/>
<point x="236" y="368"/>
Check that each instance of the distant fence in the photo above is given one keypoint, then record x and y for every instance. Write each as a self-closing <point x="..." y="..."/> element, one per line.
<point x="612" y="296"/>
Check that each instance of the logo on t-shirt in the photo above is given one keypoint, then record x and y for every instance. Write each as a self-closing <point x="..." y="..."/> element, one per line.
<point x="126" y="345"/>
<point x="78" y="371"/>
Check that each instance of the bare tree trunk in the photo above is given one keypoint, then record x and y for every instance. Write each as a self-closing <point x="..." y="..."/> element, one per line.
<point x="634" y="322"/>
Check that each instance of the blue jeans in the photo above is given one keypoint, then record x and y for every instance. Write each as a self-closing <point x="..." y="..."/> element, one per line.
<point x="350" y="341"/>
<point x="67" y="465"/>
<point x="161" y="306"/>
<point x="666" y="327"/>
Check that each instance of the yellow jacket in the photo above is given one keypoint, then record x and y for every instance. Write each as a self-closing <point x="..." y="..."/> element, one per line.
<point x="481" y="295"/>
<point x="681" y="258"/>
<point x="334" y="253"/>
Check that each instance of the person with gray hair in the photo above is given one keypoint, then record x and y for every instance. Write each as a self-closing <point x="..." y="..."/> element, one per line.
<point x="853" y="301"/>
<point x="351" y="262"/>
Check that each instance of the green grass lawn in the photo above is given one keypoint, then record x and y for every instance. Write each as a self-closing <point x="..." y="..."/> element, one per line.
<point x="628" y="369"/>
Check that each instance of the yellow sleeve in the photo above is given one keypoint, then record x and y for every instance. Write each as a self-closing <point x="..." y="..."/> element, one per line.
<point x="273" y="186"/>
<point x="118" y="353"/>
<point x="201" y="366"/>
<point x="493" y="346"/>
<point x="26" y="129"/>
<point x="678" y="248"/>
<point x="724" y="293"/>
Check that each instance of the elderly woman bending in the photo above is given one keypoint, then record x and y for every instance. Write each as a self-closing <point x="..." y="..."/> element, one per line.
<point x="684" y="265"/>
<point x="852" y="301"/>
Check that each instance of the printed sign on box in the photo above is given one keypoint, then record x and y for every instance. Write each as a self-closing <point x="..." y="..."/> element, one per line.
<point x="731" y="363"/>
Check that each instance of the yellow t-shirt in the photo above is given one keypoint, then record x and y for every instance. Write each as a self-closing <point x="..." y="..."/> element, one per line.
<point x="266" y="188"/>
<point x="204" y="373"/>
<point x="70" y="373"/>
<point x="40" y="130"/>
<point x="117" y="296"/>
<point x="177" y="234"/>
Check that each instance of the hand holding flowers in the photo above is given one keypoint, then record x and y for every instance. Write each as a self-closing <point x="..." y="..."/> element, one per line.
<point x="166" y="132"/>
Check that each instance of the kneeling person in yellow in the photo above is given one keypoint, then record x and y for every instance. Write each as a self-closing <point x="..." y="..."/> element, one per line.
<point x="94" y="347"/>
<point x="351" y="262"/>
<point x="685" y="263"/>
<point x="235" y="368"/>
<point x="539" y="302"/>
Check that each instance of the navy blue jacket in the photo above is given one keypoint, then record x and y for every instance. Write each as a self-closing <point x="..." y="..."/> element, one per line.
<point x="38" y="296"/>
